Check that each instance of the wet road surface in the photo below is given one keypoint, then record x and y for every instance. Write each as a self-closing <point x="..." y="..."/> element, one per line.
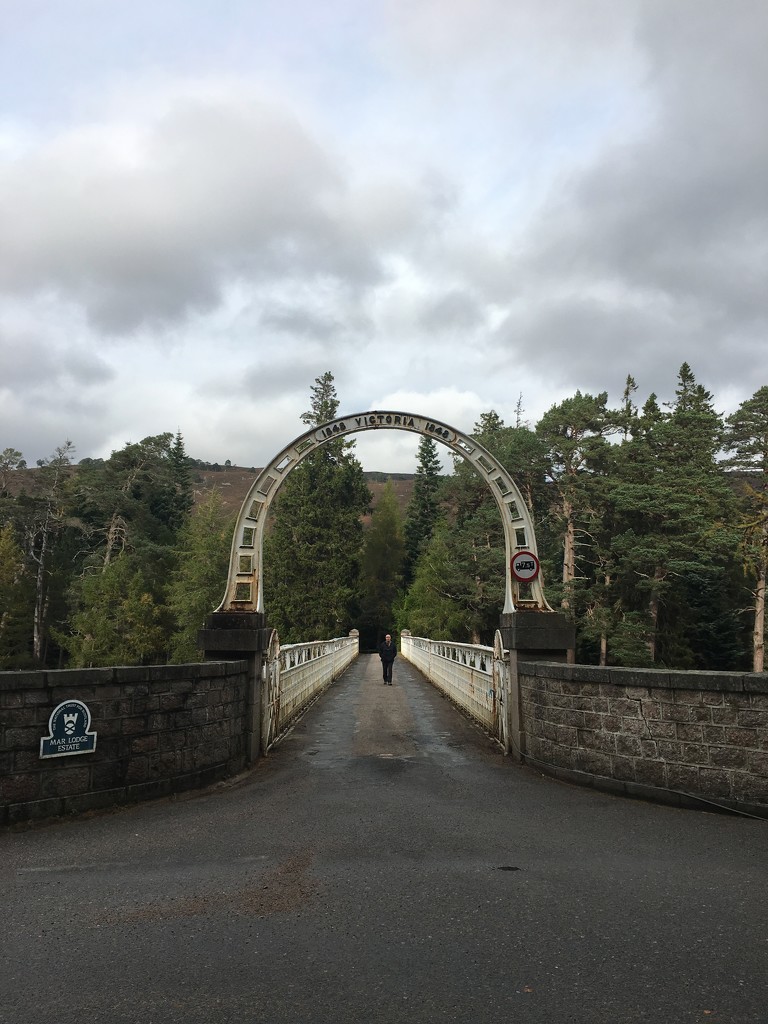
<point x="387" y="863"/>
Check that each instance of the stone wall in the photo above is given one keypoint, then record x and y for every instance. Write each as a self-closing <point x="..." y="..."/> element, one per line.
<point x="668" y="735"/>
<point x="160" y="729"/>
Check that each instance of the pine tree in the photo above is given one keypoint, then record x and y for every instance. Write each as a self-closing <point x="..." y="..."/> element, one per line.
<point x="118" y="621"/>
<point x="423" y="508"/>
<point x="16" y="594"/>
<point x="675" y="540"/>
<point x="747" y="440"/>
<point x="574" y="433"/>
<point x="196" y="585"/>
<point x="312" y="552"/>
<point x="381" y="573"/>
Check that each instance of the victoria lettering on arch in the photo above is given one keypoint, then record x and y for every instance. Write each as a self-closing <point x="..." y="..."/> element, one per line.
<point x="244" y="583"/>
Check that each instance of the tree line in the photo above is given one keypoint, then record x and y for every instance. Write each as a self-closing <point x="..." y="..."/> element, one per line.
<point x="651" y="522"/>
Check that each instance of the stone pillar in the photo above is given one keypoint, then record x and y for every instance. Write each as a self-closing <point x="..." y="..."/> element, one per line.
<point x="240" y="636"/>
<point x="531" y="635"/>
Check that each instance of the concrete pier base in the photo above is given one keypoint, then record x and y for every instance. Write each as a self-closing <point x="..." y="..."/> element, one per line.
<point x="240" y="636"/>
<point x="531" y="635"/>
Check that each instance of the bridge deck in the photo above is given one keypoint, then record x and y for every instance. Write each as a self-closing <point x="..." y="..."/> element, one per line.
<point x="387" y="863"/>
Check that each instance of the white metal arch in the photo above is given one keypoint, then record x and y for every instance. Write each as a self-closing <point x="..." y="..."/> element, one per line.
<point x="245" y="591"/>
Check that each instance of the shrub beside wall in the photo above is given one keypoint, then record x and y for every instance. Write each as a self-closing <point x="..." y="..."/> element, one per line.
<point x="651" y="732"/>
<point x="160" y="729"/>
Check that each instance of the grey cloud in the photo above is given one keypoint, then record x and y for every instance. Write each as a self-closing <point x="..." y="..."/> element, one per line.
<point x="672" y="227"/>
<point x="454" y="311"/>
<point x="215" y="191"/>
<point x="34" y="366"/>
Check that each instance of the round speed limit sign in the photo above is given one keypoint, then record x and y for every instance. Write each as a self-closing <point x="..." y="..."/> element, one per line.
<point x="525" y="566"/>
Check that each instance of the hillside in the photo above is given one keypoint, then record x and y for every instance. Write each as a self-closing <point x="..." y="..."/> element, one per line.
<point x="233" y="483"/>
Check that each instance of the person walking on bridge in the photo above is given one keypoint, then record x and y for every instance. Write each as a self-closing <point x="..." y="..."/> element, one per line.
<point x="387" y="653"/>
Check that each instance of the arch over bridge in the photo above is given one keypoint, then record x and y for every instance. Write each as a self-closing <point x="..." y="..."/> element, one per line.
<point x="245" y="590"/>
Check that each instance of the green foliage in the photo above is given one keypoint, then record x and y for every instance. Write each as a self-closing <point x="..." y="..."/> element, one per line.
<point x="117" y="621"/>
<point x="16" y="603"/>
<point x="381" y="569"/>
<point x="655" y="544"/>
<point x="312" y="553"/>
<point x="198" y="578"/>
<point x="424" y="507"/>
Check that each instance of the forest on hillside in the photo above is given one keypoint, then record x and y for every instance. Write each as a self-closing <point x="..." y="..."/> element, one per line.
<point x="651" y="522"/>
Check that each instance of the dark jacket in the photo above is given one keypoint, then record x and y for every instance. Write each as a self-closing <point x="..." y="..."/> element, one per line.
<point x="388" y="652"/>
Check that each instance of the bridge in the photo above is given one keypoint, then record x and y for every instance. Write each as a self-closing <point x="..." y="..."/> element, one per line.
<point x="328" y="849"/>
<point x="384" y="863"/>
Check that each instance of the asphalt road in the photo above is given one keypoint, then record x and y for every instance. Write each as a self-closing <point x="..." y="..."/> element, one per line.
<point x="387" y="863"/>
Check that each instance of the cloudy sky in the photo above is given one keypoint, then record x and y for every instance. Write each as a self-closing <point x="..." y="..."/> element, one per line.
<point x="452" y="205"/>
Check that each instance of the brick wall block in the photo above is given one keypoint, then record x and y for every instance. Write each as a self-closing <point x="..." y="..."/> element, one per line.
<point x="65" y="782"/>
<point x="758" y="764"/>
<point x="684" y="777"/>
<point x="691" y="731"/>
<point x="559" y="700"/>
<point x="677" y="712"/>
<point x="623" y="768"/>
<point x="715" y="782"/>
<point x="625" y="708"/>
<point x="173" y="701"/>
<point x="662" y="730"/>
<point x="602" y="741"/>
<point x="33" y="697"/>
<point x="650" y="709"/>
<point x="567" y="736"/>
<point x="629" y="746"/>
<point x="714" y="735"/>
<point x="634" y="726"/>
<point x="753" y="719"/>
<point x="592" y="720"/>
<point x="742" y="737"/>
<point x="22" y="737"/>
<point x="144" y="744"/>
<point x="137" y="769"/>
<point x="728" y="757"/>
<point x="713" y="699"/>
<point x="728" y="714"/>
<point x="671" y="750"/>
<point x="136" y="724"/>
<point x="108" y="776"/>
<point x="688" y="697"/>
<point x="746" y="787"/>
<point x="15" y="788"/>
<point x="174" y="739"/>
<point x="651" y="773"/>
<point x="592" y="761"/>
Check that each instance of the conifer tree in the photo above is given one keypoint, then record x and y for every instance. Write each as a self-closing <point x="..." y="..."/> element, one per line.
<point x="118" y="621"/>
<point x="423" y="508"/>
<point x="381" y="569"/>
<point x="312" y="553"/>
<point x="196" y="583"/>
<point x="574" y="433"/>
<point x="747" y="441"/>
<point x="675" y="539"/>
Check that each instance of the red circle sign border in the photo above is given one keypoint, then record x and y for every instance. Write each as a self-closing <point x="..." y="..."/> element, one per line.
<point x="516" y="575"/>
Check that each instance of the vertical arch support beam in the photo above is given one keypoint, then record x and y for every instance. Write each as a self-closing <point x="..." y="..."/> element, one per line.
<point x="245" y="590"/>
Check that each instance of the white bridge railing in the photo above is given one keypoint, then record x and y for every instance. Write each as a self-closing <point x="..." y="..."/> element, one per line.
<point x="295" y="674"/>
<point x="475" y="678"/>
